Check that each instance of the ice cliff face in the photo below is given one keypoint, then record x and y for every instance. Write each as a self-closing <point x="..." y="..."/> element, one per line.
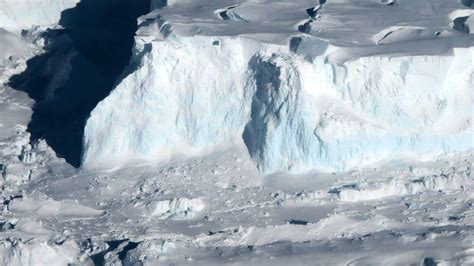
<point x="297" y="100"/>
<point x="192" y="106"/>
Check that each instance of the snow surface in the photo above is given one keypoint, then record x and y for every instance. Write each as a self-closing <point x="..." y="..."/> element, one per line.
<point x="12" y="45"/>
<point x="218" y="208"/>
<point x="16" y="15"/>
<point x="346" y="92"/>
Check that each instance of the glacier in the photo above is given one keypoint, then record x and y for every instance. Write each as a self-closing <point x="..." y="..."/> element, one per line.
<point x="282" y="85"/>
<point x="17" y="15"/>
<point x="297" y="98"/>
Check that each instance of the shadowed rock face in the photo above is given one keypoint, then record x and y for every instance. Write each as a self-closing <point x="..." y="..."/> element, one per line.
<point x="80" y="67"/>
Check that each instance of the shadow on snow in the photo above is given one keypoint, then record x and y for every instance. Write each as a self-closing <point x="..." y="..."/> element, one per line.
<point x="80" y="67"/>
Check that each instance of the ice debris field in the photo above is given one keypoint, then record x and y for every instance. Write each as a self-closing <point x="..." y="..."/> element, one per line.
<point x="238" y="132"/>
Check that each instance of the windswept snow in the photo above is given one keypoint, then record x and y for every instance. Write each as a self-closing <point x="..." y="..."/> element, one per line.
<point x="48" y="207"/>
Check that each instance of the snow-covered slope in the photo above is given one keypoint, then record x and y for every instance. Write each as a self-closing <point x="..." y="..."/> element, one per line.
<point x="12" y="45"/>
<point x="16" y="15"/>
<point x="236" y="71"/>
<point x="298" y="85"/>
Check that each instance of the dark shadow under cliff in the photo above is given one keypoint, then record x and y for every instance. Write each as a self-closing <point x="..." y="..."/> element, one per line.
<point x="79" y="68"/>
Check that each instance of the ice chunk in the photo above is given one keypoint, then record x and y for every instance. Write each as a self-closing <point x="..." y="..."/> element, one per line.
<point x="176" y="209"/>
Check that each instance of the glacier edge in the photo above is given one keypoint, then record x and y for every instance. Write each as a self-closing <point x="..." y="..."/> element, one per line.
<point x="189" y="94"/>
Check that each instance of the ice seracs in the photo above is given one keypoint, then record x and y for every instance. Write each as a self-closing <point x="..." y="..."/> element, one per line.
<point x="299" y="102"/>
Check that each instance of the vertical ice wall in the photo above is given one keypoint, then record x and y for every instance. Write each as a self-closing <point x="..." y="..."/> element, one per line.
<point x="298" y="102"/>
<point x="320" y="115"/>
<point x="280" y="133"/>
<point x="190" y="94"/>
<point x="177" y="101"/>
<point x="80" y="65"/>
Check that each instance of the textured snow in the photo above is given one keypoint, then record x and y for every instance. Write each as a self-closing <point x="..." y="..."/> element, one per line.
<point x="50" y="207"/>
<point x="34" y="252"/>
<point x="12" y="45"/>
<point x="16" y="15"/>
<point x="299" y="101"/>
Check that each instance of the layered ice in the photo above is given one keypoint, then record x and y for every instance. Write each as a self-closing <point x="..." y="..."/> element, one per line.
<point x="176" y="209"/>
<point x="299" y="100"/>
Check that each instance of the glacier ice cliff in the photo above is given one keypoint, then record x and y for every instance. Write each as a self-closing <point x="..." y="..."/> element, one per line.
<point x="298" y="101"/>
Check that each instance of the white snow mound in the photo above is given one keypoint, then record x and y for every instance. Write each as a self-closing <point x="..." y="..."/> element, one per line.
<point x="12" y="45"/>
<point x="33" y="252"/>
